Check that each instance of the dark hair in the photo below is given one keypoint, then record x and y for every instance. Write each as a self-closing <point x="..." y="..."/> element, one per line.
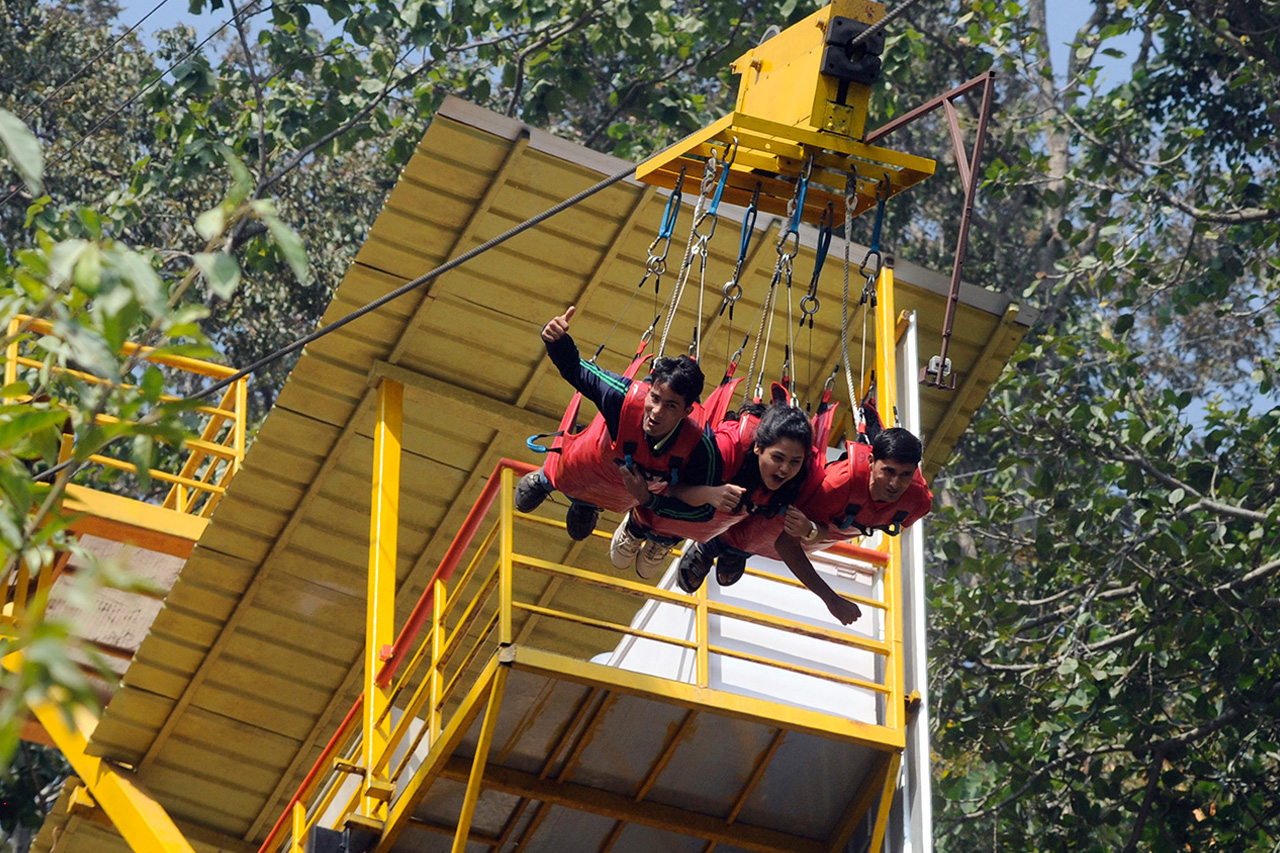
<point x="780" y="421"/>
<point x="681" y="374"/>
<point x="777" y="422"/>
<point x="897" y="444"/>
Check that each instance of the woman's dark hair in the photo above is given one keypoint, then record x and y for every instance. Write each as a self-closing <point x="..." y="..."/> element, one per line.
<point x="682" y="375"/>
<point x="781" y="421"/>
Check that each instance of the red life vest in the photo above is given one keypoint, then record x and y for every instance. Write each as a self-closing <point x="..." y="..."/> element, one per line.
<point x="586" y="468"/>
<point x="845" y="501"/>
<point x="756" y="534"/>
<point x="840" y="498"/>
<point x="734" y="440"/>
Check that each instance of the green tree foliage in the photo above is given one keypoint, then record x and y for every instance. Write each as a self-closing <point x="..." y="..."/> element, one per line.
<point x="71" y="296"/>
<point x="1106" y="580"/>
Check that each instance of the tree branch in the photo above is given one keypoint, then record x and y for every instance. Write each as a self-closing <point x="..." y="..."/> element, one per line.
<point x="1205" y="729"/>
<point x="1144" y="812"/>
<point x="1030" y="783"/>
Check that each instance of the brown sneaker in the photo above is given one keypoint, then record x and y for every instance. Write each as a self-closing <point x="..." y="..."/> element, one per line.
<point x="653" y="558"/>
<point x="694" y="566"/>
<point x="625" y="545"/>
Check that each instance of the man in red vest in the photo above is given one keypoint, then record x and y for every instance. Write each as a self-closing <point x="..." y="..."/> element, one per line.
<point x="643" y="432"/>
<point x="872" y="487"/>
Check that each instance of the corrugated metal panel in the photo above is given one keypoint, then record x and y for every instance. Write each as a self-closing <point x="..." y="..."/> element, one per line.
<point x="254" y="656"/>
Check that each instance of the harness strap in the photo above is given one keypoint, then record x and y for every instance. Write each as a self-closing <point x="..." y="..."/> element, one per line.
<point x="893" y="527"/>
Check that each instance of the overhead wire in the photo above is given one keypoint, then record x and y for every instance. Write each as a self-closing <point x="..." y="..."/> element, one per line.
<point x="246" y="12"/>
<point x="91" y="61"/>
<point x="415" y="283"/>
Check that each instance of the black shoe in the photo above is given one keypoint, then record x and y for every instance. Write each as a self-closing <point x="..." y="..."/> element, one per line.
<point x="730" y="567"/>
<point x="531" y="491"/>
<point x="693" y="568"/>
<point x="580" y="520"/>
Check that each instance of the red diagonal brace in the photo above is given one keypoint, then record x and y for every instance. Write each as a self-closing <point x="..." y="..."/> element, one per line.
<point x="936" y="371"/>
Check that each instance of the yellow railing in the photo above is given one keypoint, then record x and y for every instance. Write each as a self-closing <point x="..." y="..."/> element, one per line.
<point x="210" y="460"/>
<point x="465" y="618"/>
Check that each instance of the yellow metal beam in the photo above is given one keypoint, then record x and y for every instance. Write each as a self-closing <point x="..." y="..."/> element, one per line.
<point x="140" y="820"/>
<point x="620" y="807"/>
<point x="380" y="623"/>
<point x="122" y="519"/>
<point x="475" y="778"/>
<point x="413" y="792"/>
<point x="871" y="786"/>
<point x="691" y="696"/>
<point x="886" y="802"/>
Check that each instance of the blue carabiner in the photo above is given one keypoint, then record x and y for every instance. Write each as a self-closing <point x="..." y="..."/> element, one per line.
<point x="748" y="224"/>
<point x="799" y="212"/>
<point x="824" y="243"/>
<point x="672" y="210"/>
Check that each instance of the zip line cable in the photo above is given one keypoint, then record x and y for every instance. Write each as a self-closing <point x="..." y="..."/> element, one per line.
<point x="417" y="282"/>
<point x="153" y="81"/>
<point x="383" y="300"/>
<point x="86" y="65"/>
<point x="882" y="23"/>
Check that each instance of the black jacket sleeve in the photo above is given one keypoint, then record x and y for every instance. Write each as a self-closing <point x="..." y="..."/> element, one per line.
<point x="603" y="387"/>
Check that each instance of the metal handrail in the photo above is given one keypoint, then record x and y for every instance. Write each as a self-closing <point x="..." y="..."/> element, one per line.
<point x="212" y="459"/>
<point x="444" y="657"/>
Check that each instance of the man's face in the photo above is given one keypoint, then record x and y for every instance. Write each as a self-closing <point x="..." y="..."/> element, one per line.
<point x="890" y="479"/>
<point x="663" y="409"/>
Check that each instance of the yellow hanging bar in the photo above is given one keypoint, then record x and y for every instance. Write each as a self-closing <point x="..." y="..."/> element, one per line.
<point x="802" y="93"/>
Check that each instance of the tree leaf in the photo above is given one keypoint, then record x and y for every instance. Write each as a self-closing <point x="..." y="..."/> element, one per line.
<point x="290" y="246"/>
<point x="24" y="151"/>
<point x="220" y="270"/>
<point x="211" y="223"/>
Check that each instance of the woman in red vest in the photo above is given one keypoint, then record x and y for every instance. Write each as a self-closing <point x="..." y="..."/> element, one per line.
<point x="765" y="457"/>
<point x="875" y="487"/>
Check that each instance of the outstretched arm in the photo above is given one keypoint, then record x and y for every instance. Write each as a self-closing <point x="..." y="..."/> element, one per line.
<point x="798" y="562"/>
<point x="603" y="387"/>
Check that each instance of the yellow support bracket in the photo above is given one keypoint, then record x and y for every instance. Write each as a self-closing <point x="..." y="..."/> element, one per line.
<point x="792" y="109"/>
<point x="143" y="823"/>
